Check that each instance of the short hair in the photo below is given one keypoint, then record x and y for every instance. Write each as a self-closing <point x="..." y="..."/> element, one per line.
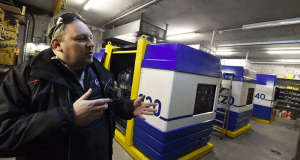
<point x="59" y="32"/>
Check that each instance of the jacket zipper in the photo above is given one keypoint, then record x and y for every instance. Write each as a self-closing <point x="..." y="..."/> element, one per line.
<point x="92" y="123"/>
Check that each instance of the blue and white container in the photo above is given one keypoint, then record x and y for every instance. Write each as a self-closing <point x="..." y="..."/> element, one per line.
<point x="185" y="84"/>
<point x="264" y="96"/>
<point x="243" y="88"/>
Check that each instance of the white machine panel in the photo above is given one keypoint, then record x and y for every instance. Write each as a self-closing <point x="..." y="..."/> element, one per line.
<point x="176" y="91"/>
<point x="264" y="95"/>
<point x="239" y="95"/>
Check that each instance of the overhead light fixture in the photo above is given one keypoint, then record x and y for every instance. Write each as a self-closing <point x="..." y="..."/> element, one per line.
<point x="181" y="36"/>
<point x="288" y="60"/>
<point x="89" y="4"/>
<point x="282" y="63"/>
<point x="283" y="48"/>
<point x="283" y="52"/>
<point x="259" y="43"/>
<point x="272" y="23"/>
<point x="223" y="53"/>
<point x="196" y="46"/>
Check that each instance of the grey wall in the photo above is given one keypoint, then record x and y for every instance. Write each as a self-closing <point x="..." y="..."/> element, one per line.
<point x="279" y="70"/>
<point x="97" y="37"/>
<point x="40" y="29"/>
<point x="41" y="25"/>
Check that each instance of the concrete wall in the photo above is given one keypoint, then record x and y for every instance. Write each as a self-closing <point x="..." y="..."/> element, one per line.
<point x="279" y="70"/>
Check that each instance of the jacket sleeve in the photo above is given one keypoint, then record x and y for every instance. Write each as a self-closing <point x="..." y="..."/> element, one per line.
<point x="123" y="108"/>
<point x="20" y="130"/>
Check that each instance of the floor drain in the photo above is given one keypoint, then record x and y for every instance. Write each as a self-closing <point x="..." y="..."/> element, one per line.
<point x="276" y="152"/>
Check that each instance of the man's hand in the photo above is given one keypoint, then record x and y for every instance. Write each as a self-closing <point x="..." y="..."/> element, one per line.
<point x="140" y="108"/>
<point x="88" y="110"/>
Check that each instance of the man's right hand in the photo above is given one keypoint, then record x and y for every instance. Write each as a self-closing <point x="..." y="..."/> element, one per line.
<point x="86" y="111"/>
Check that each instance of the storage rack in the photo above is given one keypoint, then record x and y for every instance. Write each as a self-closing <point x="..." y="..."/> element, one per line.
<point x="289" y="98"/>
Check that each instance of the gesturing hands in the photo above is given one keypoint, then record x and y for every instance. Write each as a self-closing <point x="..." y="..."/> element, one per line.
<point x="88" y="110"/>
<point x="140" y="108"/>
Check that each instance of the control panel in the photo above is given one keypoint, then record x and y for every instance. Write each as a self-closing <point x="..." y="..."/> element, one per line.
<point x="205" y="97"/>
<point x="250" y="96"/>
<point x="8" y="38"/>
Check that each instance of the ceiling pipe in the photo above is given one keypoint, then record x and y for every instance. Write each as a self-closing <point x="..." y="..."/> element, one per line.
<point x="141" y="7"/>
<point x="212" y="39"/>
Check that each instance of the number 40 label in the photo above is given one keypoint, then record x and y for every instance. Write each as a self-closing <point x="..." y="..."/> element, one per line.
<point x="260" y="96"/>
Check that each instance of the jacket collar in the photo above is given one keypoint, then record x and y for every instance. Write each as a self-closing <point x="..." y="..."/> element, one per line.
<point x="43" y="67"/>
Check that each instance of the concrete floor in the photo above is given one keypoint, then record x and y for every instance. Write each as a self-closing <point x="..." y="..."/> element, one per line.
<point x="255" y="144"/>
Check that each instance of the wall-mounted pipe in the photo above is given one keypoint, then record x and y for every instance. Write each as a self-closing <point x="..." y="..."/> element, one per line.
<point x="134" y="10"/>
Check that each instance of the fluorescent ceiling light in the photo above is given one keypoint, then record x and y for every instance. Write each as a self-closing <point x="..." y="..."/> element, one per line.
<point x="223" y="53"/>
<point x="291" y="63"/>
<point x="89" y="4"/>
<point x="259" y="43"/>
<point x="196" y="46"/>
<point x="272" y="23"/>
<point x="181" y="36"/>
<point x="283" y="52"/>
<point x="287" y="60"/>
<point x="127" y="37"/>
<point x="284" y="48"/>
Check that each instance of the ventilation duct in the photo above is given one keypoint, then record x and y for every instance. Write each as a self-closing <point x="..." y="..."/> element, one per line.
<point x="130" y="33"/>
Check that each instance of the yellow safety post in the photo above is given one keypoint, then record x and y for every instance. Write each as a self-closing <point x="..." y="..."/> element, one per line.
<point x="108" y="50"/>
<point x="127" y="141"/>
<point x="198" y="153"/>
<point x="235" y="133"/>
<point x="262" y="120"/>
<point x="141" y="48"/>
<point x="124" y="52"/>
<point x="57" y="7"/>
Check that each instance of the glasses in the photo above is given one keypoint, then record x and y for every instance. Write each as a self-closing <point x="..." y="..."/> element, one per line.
<point x="64" y="19"/>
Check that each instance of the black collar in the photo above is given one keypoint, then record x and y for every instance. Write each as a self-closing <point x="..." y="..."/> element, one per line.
<point x="45" y="68"/>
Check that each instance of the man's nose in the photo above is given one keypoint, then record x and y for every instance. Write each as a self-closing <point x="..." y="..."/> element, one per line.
<point x="90" y="43"/>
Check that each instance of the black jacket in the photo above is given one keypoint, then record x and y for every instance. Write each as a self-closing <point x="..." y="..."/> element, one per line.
<point x="36" y="116"/>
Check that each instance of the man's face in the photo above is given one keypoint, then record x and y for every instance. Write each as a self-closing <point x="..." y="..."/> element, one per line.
<point x="77" y="45"/>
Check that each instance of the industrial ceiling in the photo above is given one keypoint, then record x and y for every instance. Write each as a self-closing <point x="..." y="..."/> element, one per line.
<point x="203" y="17"/>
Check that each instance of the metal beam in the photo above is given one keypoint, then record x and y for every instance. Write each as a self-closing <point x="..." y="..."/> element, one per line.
<point x="134" y="10"/>
<point x="57" y="7"/>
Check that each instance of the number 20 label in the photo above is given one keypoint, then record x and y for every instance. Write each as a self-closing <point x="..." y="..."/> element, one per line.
<point x="148" y="98"/>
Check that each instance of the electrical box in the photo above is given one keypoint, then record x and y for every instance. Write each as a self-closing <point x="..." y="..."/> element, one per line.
<point x="205" y="97"/>
<point x="184" y="82"/>
<point x="9" y="33"/>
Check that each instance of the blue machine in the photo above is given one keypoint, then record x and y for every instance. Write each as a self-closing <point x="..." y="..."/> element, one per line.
<point x="185" y="84"/>
<point x="241" y="106"/>
<point x="263" y="99"/>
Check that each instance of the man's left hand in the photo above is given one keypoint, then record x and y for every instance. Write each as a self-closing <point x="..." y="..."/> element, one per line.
<point x="142" y="108"/>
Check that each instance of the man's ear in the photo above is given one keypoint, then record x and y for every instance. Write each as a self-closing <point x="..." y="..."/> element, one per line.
<point x="56" y="44"/>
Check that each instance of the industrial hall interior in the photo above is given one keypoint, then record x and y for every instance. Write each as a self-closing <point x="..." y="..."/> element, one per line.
<point x="169" y="79"/>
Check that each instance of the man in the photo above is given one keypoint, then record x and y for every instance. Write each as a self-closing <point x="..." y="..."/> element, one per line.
<point x="56" y="105"/>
